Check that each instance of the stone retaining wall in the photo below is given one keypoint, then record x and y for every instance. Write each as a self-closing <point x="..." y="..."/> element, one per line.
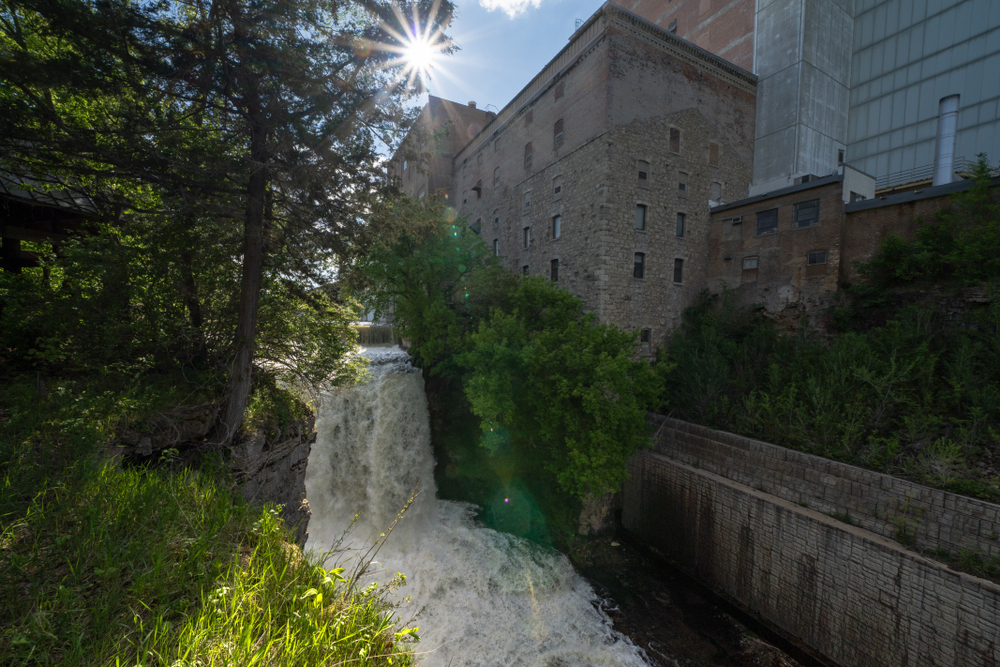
<point x="894" y="508"/>
<point x="853" y="596"/>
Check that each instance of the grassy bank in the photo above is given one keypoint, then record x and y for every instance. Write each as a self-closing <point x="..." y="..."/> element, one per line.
<point x="106" y="563"/>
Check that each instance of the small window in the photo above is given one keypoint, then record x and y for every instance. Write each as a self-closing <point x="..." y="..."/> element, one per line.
<point x="529" y="117"/>
<point x="807" y="213"/>
<point x="496" y="177"/>
<point x="680" y="225"/>
<point x="840" y="156"/>
<point x="645" y="335"/>
<point x="556" y="226"/>
<point x="640" y="217"/>
<point x="560" y="89"/>
<point x="749" y="270"/>
<point x="857" y="196"/>
<point x="527" y="155"/>
<point x="527" y="199"/>
<point x="527" y="236"/>
<point x="767" y="221"/>
<point x="816" y="257"/>
<point x="496" y="247"/>
<point x="713" y="154"/>
<point x="643" y="172"/>
<point x="496" y="217"/>
<point x="672" y="28"/>
<point x="557" y="133"/>
<point x="716" y="192"/>
<point x="557" y="185"/>
<point x="640" y="265"/>
<point x="678" y="270"/>
<point x="675" y="140"/>
<point x="682" y="181"/>
<point x="524" y="270"/>
<point x="554" y="268"/>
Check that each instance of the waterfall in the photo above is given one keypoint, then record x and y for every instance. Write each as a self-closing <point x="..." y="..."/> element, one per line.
<point x="485" y="597"/>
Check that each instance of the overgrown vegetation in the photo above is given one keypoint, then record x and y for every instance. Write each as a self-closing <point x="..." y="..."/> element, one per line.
<point x="107" y="563"/>
<point x="545" y="381"/>
<point x="905" y="387"/>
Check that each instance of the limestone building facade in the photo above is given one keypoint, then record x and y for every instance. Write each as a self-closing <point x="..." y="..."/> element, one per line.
<point x="600" y="173"/>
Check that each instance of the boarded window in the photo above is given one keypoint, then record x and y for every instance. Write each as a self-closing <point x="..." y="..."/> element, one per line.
<point x="767" y="221"/>
<point x="640" y="217"/>
<point x="557" y="185"/>
<point x="527" y="236"/>
<point x="643" y="172"/>
<point x="557" y="133"/>
<point x="496" y="247"/>
<point x="560" y="89"/>
<point x="678" y="270"/>
<point x="675" y="140"/>
<point x="679" y="231"/>
<point x="554" y="270"/>
<point x="713" y="154"/>
<point x="716" y="192"/>
<point x="496" y="177"/>
<point x="682" y="181"/>
<point x="749" y="269"/>
<point x="556" y="226"/>
<point x="807" y="213"/>
<point x="528" y="154"/>
<point x="639" y="268"/>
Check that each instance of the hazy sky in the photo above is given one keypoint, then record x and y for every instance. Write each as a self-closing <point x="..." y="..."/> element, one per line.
<point x="504" y="43"/>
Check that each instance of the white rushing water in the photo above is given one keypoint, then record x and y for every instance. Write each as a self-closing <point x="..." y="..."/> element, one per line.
<point x="487" y="598"/>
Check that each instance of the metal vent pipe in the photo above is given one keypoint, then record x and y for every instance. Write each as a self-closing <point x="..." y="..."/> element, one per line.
<point x="944" y="158"/>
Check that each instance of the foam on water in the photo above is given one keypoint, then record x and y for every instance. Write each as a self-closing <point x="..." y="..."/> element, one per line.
<point x="488" y="598"/>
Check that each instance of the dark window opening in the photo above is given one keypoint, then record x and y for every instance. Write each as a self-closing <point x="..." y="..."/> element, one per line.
<point x="816" y="257"/>
<point x="713" y="154"/>
<point x="478" y="189"/>
<point x="640" y="217"/>
<point x="680" y="225"/>
<point x="554" y="270"/>
<point x="857" y="196"/>
<point x="496" y="247"/>
<point x="767" y="221"/>
<point x="678" y="270"/>
<point x="645" y="335"/>
<point x="557" y="133"/>
<point x="524" y="269"/>
<point x="643" y="171"/>
<point x="527" y="155"/>
<point x="840" y="156"/>
<point x="807" y="213"/>
<point x="675" y="140"/>
<point x="527" y="236"/>
<point x="643" y="176"/>
<point x="639" y="268"/>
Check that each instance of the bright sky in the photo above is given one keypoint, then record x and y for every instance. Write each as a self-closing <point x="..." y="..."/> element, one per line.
<point x="504" y="43"/>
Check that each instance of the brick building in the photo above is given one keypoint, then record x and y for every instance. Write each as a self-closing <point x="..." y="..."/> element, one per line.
<point x="599" y="174"/>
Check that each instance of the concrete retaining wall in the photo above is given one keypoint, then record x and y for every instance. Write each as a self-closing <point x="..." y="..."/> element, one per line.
<point x="854" y="596"/>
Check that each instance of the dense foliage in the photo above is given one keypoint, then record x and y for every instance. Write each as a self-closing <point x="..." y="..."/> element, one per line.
<point x="907" y="386"/>
<point x="542" y="377"/>
<point x="232" y="149"/>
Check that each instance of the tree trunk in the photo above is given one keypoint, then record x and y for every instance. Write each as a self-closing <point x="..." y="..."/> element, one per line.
<point x="190" y="291"/>
<point x="238" y="389"/>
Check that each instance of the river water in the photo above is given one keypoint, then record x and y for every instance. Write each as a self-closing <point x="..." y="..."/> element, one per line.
<point x="481" y="597"/>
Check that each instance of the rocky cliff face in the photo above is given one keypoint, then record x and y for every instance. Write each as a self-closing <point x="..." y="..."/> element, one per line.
<point x="269" y="467"/>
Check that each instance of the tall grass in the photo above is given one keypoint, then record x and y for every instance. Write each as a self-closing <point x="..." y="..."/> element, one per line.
<point x="104" y="564"/>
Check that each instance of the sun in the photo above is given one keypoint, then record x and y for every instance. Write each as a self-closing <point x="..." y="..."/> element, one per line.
<point x="421" y="55"/>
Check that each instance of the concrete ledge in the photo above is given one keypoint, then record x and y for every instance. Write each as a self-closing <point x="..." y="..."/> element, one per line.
<point x="855" y="597"/>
